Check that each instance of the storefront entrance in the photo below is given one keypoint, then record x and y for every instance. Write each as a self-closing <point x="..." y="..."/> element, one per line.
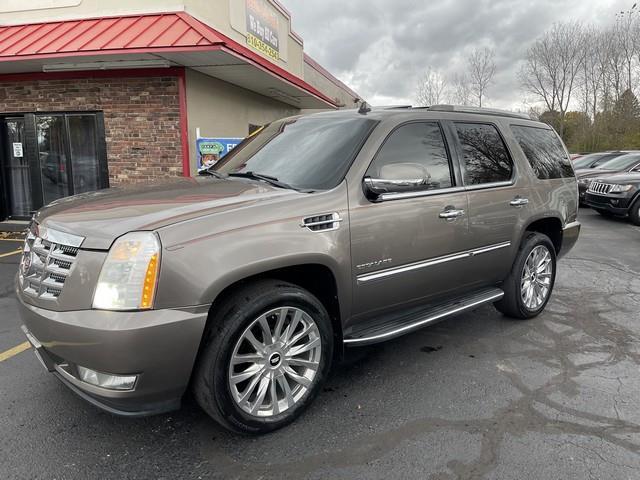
<point x="47" y="156"/>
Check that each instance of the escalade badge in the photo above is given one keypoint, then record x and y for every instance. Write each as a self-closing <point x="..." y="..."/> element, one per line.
<point x="376" y="263"/>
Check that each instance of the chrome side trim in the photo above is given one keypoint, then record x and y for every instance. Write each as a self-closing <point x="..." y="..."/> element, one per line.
<point x="332" y="223"/>
<point x="368" y="277"/>
<point x="424" y="321"/>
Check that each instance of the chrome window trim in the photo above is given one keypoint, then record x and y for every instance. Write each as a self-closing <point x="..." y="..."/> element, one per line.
<point x="380" y="274"/>
<point x="483" y="186"/>
<point x="421" y="193"/>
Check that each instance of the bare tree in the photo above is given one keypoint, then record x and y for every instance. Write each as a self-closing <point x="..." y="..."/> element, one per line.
<point x="594" y="70"/>
<point x="460" y="90"/>
<point x="625" y="34"/>
<point x="482" y="69"/>
<point x="552" y="67"/>
<point x="431" y="89"/>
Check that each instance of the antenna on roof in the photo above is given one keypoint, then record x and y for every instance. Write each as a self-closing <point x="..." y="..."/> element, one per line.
<point x="364" y="108"/>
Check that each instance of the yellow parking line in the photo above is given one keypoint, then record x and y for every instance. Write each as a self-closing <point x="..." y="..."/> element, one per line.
<point x="16" y="252"/>
<point x="12" y="240"/>
<point x="14" y="351"/>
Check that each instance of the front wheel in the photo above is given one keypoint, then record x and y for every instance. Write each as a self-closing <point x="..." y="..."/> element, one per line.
<point x="528" y="287"/>
<point x="266" y="355"/>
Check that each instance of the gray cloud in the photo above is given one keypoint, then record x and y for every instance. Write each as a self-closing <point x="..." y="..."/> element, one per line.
<point x="381" y="47"/>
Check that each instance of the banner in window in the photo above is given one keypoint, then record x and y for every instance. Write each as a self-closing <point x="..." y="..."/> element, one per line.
<point x="262" y="28"/>
<point x="210" y="150"/>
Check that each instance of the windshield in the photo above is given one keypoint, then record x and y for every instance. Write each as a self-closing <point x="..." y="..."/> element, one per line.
<point x="307" y="153"/>
<point x="594" y="159"/>
<point x="621" y="163"/>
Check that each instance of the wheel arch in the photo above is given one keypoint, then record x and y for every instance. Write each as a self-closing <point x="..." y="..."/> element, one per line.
<point x="549" y="226"/>
<point x="316" y="277"/>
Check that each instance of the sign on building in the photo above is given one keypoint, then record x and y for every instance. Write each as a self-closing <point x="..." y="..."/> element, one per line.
<point x="262" y="28"/>
<point x="18" y="151"/>
<point x="210" y="150"/>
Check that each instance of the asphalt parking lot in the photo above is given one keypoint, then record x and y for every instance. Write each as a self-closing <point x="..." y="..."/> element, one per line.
<point x="478" y="396"/>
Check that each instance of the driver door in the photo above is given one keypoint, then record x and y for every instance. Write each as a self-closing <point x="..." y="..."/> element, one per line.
<point x="404" y="242"/>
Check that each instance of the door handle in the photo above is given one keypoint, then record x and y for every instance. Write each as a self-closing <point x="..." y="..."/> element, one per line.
<point x="451" y="214"/>
<point x="519" y="202"/>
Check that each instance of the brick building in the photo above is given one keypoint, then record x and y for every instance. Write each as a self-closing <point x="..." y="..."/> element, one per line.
<point x="94" y="96"/>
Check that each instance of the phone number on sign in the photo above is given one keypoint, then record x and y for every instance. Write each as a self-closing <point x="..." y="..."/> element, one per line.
<point x="259" y="45"/>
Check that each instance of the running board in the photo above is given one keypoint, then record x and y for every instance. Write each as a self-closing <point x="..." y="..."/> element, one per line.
<point x="415" y="319"/>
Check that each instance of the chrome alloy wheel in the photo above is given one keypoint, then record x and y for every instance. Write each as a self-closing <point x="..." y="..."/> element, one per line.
<point x="275" y="362"/>
<point x="536" y="278"/>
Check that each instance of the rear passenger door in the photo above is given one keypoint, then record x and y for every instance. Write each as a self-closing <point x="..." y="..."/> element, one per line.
<point x="498" y="199"/>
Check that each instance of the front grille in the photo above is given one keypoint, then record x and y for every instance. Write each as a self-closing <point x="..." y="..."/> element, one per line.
<point x="600" y="188"/>
<point x="45" y="266"/>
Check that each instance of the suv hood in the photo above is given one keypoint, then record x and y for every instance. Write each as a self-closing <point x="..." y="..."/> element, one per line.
<point x="620" y="178"/>
<point x="103" y="216"/>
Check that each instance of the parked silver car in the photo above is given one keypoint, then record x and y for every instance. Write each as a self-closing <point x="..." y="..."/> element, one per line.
<point x="321" y="232"/>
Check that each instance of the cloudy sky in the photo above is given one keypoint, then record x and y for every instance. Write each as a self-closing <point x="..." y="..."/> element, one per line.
<point x="380" y="48"/>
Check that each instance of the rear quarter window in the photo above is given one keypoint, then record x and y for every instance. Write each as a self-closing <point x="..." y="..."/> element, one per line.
<point x="545" y="152"/>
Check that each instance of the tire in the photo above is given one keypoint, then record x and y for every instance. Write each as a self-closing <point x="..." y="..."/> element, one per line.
<point x="634" y="212"/>
<point x="234" y="324"/>
<point x="513" y="304"/>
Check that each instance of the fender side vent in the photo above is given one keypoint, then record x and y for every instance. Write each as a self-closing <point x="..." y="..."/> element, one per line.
<point x="322" y="223"/>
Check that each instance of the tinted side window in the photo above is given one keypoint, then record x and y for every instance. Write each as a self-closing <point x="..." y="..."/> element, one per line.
<point x="544" y="151"/>
<point x="415" y="148"/>
<point x="485" y="156"/>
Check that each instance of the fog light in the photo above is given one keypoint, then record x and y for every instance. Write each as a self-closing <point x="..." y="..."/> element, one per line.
<point x="104" y="380"/>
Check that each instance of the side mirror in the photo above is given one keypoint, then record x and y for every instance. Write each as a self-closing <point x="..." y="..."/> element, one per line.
<point x="396" y="177"/>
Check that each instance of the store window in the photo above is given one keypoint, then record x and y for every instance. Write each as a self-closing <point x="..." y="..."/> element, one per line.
<point x="62" y="154"/>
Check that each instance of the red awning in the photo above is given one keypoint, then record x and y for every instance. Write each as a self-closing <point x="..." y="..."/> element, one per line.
<point x="176" y="37"/>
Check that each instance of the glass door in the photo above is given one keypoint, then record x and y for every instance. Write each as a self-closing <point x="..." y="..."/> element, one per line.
<point x="16" y="166"/>
<point x="53" y="158"/>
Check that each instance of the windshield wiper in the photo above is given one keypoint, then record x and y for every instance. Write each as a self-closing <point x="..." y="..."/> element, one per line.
<point x="265" y="178"/>
<point x="208" y="171"/>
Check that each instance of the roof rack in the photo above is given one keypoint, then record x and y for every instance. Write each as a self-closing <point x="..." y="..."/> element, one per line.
<point x="482" y="111"/>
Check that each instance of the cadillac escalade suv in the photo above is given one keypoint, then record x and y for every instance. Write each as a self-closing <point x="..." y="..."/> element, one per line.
<point x="318" y="233"/>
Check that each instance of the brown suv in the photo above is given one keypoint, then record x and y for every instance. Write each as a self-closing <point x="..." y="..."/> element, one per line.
<point x="318" y="233"/>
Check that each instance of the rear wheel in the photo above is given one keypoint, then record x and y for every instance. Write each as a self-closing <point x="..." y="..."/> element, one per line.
<point x="264" y="359"/>
<point x="634" y="212"/>
<point x="528" y="287"/>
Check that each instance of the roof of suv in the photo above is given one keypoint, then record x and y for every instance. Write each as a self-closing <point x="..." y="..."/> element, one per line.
<point x="446" y="111"/>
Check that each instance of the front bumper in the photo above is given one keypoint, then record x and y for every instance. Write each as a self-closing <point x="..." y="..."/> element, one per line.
<point x="158" y="346"/>
<point x="616" y="204"/>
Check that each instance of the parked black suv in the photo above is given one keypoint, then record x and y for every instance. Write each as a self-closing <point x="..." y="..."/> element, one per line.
<point x="609" y="164"/>
<point x="617" y="194"/>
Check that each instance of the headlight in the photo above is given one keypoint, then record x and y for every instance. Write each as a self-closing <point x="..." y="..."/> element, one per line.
<point x="130" y="273"/>
<point x="620" y="188"/>
<point x="584" y="181"/>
